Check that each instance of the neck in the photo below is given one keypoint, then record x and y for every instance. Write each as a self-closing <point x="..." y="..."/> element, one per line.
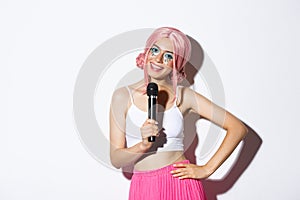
<point x="164" y="85"/>
<point x="162" y="82"/>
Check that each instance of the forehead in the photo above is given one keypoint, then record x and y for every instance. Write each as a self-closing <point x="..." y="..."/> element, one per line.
<point x="165" y="44"/>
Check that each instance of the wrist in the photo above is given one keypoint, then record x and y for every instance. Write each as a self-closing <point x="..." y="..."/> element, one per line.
<point x="144" y="146"/>
<point x="208" y="169"/>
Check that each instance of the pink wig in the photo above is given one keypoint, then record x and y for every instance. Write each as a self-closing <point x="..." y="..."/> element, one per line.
<point x="182" y="52"/>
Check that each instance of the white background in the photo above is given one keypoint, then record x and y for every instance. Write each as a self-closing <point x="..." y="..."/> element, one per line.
<point x="253" y="44"/>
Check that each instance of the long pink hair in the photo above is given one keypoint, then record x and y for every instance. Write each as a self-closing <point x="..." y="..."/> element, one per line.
<point x="182" y="52"/>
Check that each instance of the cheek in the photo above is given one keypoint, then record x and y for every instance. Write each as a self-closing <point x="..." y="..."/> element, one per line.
<point x="149" y="58"/>
<point x="170" y="64"/>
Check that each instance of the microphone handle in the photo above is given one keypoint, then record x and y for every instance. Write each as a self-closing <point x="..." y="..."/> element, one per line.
<point x="152" y="112"/>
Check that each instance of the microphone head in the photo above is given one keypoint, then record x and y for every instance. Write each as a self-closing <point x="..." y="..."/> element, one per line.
<point x="152" y="89"/>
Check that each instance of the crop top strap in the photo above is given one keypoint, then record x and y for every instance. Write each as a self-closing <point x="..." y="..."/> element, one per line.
<point x="177" y="93"/>
<point x="130" y="94"/>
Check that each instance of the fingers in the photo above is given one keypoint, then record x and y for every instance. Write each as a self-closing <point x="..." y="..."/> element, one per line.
<point x="149" y="131"/>
<point x="184" y="171"/>
<point x="180" y="165"/>
<point x="150" y="121"/>
<point x="149" y="128"/>
<point x="180" y="171"/>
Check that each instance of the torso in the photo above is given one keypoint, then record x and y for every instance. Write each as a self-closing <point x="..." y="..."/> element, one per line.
<point x="155" y="160"/>
<point x="159" y="160"/>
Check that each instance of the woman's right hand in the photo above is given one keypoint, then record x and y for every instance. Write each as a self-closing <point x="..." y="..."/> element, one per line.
<point x="149" y="128"/>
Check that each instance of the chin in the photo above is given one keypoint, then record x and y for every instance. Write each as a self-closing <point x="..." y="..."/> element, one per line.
<point x="159" y="73"/>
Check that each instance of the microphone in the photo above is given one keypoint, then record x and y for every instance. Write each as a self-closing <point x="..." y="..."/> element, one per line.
<point x="152" y="91"/>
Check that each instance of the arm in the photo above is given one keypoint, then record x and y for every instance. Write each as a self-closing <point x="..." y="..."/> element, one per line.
<point x="235" y="132"/>
<point x="120" y="155"/>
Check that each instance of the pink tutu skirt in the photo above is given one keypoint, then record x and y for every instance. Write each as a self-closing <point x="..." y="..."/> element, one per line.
<point x="159" y="184"/>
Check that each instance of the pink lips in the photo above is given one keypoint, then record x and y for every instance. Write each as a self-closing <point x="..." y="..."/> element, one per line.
<point x="155" y="67"/>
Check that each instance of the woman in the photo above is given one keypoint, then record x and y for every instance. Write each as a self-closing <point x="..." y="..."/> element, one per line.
<point x="161" y="170"/>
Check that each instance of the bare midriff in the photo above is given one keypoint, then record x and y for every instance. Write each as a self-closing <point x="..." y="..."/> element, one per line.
<point x="158" y="160"/>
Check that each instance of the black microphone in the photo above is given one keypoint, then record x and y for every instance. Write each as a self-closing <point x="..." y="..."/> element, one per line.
<point x="152" y="91"/>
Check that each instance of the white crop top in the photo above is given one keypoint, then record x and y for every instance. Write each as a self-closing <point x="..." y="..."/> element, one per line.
<point x="171" y="134"/>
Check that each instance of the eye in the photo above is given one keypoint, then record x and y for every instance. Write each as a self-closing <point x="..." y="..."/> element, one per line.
<point x="168" y="56"/>
<point x="154" y="51"/>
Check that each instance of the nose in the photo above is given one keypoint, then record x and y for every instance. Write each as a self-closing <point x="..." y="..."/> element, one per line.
<point x="159" y="57"/>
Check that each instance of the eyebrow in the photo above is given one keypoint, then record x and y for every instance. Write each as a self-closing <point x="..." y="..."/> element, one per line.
<point x="161" y="49"/>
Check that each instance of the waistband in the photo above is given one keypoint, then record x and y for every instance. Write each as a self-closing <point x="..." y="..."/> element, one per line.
<point x="159" y="171"/>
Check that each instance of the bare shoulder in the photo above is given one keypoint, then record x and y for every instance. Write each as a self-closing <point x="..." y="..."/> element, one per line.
<point x="120" y="100"/>
<point x="190" y="99"/>
<point x="187" y="93"/>
<point x="120" y="95"/>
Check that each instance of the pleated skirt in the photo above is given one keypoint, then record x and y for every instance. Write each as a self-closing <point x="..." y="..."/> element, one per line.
<point x="159" y="184"/>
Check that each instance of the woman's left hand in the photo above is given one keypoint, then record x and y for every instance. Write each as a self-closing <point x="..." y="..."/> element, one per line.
<point x="184" y="171"/>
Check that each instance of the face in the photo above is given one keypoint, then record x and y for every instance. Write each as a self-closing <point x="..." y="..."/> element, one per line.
<point x="160" y="59"/>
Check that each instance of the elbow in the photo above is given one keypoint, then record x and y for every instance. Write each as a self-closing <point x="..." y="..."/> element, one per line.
<point x="239" y="130"/>
<point x="243" y="130"/>
<point x="114" y="162"/>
